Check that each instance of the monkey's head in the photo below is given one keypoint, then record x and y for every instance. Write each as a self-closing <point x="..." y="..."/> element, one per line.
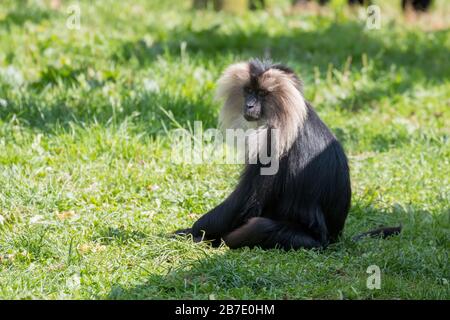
<point x="260" y="94"/>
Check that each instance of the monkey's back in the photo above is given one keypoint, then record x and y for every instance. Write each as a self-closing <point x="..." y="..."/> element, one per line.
<point x="312" y="186"/>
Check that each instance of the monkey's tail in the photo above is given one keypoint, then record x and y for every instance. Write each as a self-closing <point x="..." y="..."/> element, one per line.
<point x="383" y="232"/>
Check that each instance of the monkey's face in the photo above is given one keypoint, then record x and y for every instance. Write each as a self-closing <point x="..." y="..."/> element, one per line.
<point x="258" y="95"/>
<point x="254" y="100"/>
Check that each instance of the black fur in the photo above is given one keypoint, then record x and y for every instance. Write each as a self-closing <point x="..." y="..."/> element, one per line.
<point x="304" y="205"/>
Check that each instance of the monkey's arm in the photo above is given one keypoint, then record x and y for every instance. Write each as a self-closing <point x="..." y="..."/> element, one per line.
<point x="235" y="210"/>
<point x="212" y="225"/>
<point x="219" y="220"/>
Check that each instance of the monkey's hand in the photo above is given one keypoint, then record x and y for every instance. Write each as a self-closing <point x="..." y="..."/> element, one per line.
<point x="183" y="232"/>
<point x="186" y="232"/>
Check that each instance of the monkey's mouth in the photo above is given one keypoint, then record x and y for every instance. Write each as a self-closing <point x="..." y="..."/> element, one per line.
<point x="251" y="117"/>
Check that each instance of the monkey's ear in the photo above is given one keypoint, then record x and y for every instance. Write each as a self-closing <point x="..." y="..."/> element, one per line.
<point x="234" y="78"/>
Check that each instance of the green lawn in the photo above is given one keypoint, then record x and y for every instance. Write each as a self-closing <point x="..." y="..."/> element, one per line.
<point x="88" y="193"/>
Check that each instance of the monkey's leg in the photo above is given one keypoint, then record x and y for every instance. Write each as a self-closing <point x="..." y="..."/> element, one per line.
<point x="217" y="223"/>
<point x="214" y="224"/>
<point x="268" y="233"/>
<point x="226" y="216"/>
<point x="211" y="226"/>
<point x="223" y="218"/>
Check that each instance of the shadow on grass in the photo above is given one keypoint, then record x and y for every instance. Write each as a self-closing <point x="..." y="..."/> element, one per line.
<point x="118" y="235"/>
<point x="257" y="272"/>
<point x="423" y="59"/>
<point x="308" y="49"/>
<point x="151" y="112"/>
<point x="217" y="272"/>
<point x="24" y="13"/>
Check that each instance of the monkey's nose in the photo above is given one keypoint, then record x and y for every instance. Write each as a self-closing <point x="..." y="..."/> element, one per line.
<point x="250" y="106"/>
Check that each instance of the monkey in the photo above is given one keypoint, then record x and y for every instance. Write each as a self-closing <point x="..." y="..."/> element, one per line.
<point x="306" y="202"/>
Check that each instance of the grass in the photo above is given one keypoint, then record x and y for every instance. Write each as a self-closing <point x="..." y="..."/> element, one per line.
<point x="88" y="193"/>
